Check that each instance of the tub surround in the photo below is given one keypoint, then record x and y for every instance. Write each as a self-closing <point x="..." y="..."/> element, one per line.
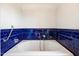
<point x="69" y="38"/>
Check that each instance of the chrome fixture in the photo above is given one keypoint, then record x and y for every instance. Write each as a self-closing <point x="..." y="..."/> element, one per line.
<point x="5" y="39"/>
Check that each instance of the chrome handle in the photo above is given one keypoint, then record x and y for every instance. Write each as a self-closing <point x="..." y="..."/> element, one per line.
<point x="4" y="40"/>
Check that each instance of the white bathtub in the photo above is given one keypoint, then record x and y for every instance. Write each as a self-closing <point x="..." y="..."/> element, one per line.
<point x="37" y="47"/>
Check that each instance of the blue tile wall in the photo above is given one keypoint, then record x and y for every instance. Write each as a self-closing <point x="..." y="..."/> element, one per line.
<point x="0" y="42"/>
<point x="8" y="44"/>
<point x="69" y="38"/>
<point x="0" y="45"/>
<point x="23" y="34"/>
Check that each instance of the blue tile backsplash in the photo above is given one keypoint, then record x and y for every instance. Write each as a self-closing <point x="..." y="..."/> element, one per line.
<point x="69" y="38"/>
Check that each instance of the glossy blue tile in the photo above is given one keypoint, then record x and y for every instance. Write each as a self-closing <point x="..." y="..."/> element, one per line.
<point x="69" y="38"/>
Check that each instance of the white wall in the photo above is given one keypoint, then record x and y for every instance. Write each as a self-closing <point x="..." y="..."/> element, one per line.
<point x="39" y="16"/>
<point x="68" y="16"/>
<point x="9" y="15"/>
<point x="28" y="15"/>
